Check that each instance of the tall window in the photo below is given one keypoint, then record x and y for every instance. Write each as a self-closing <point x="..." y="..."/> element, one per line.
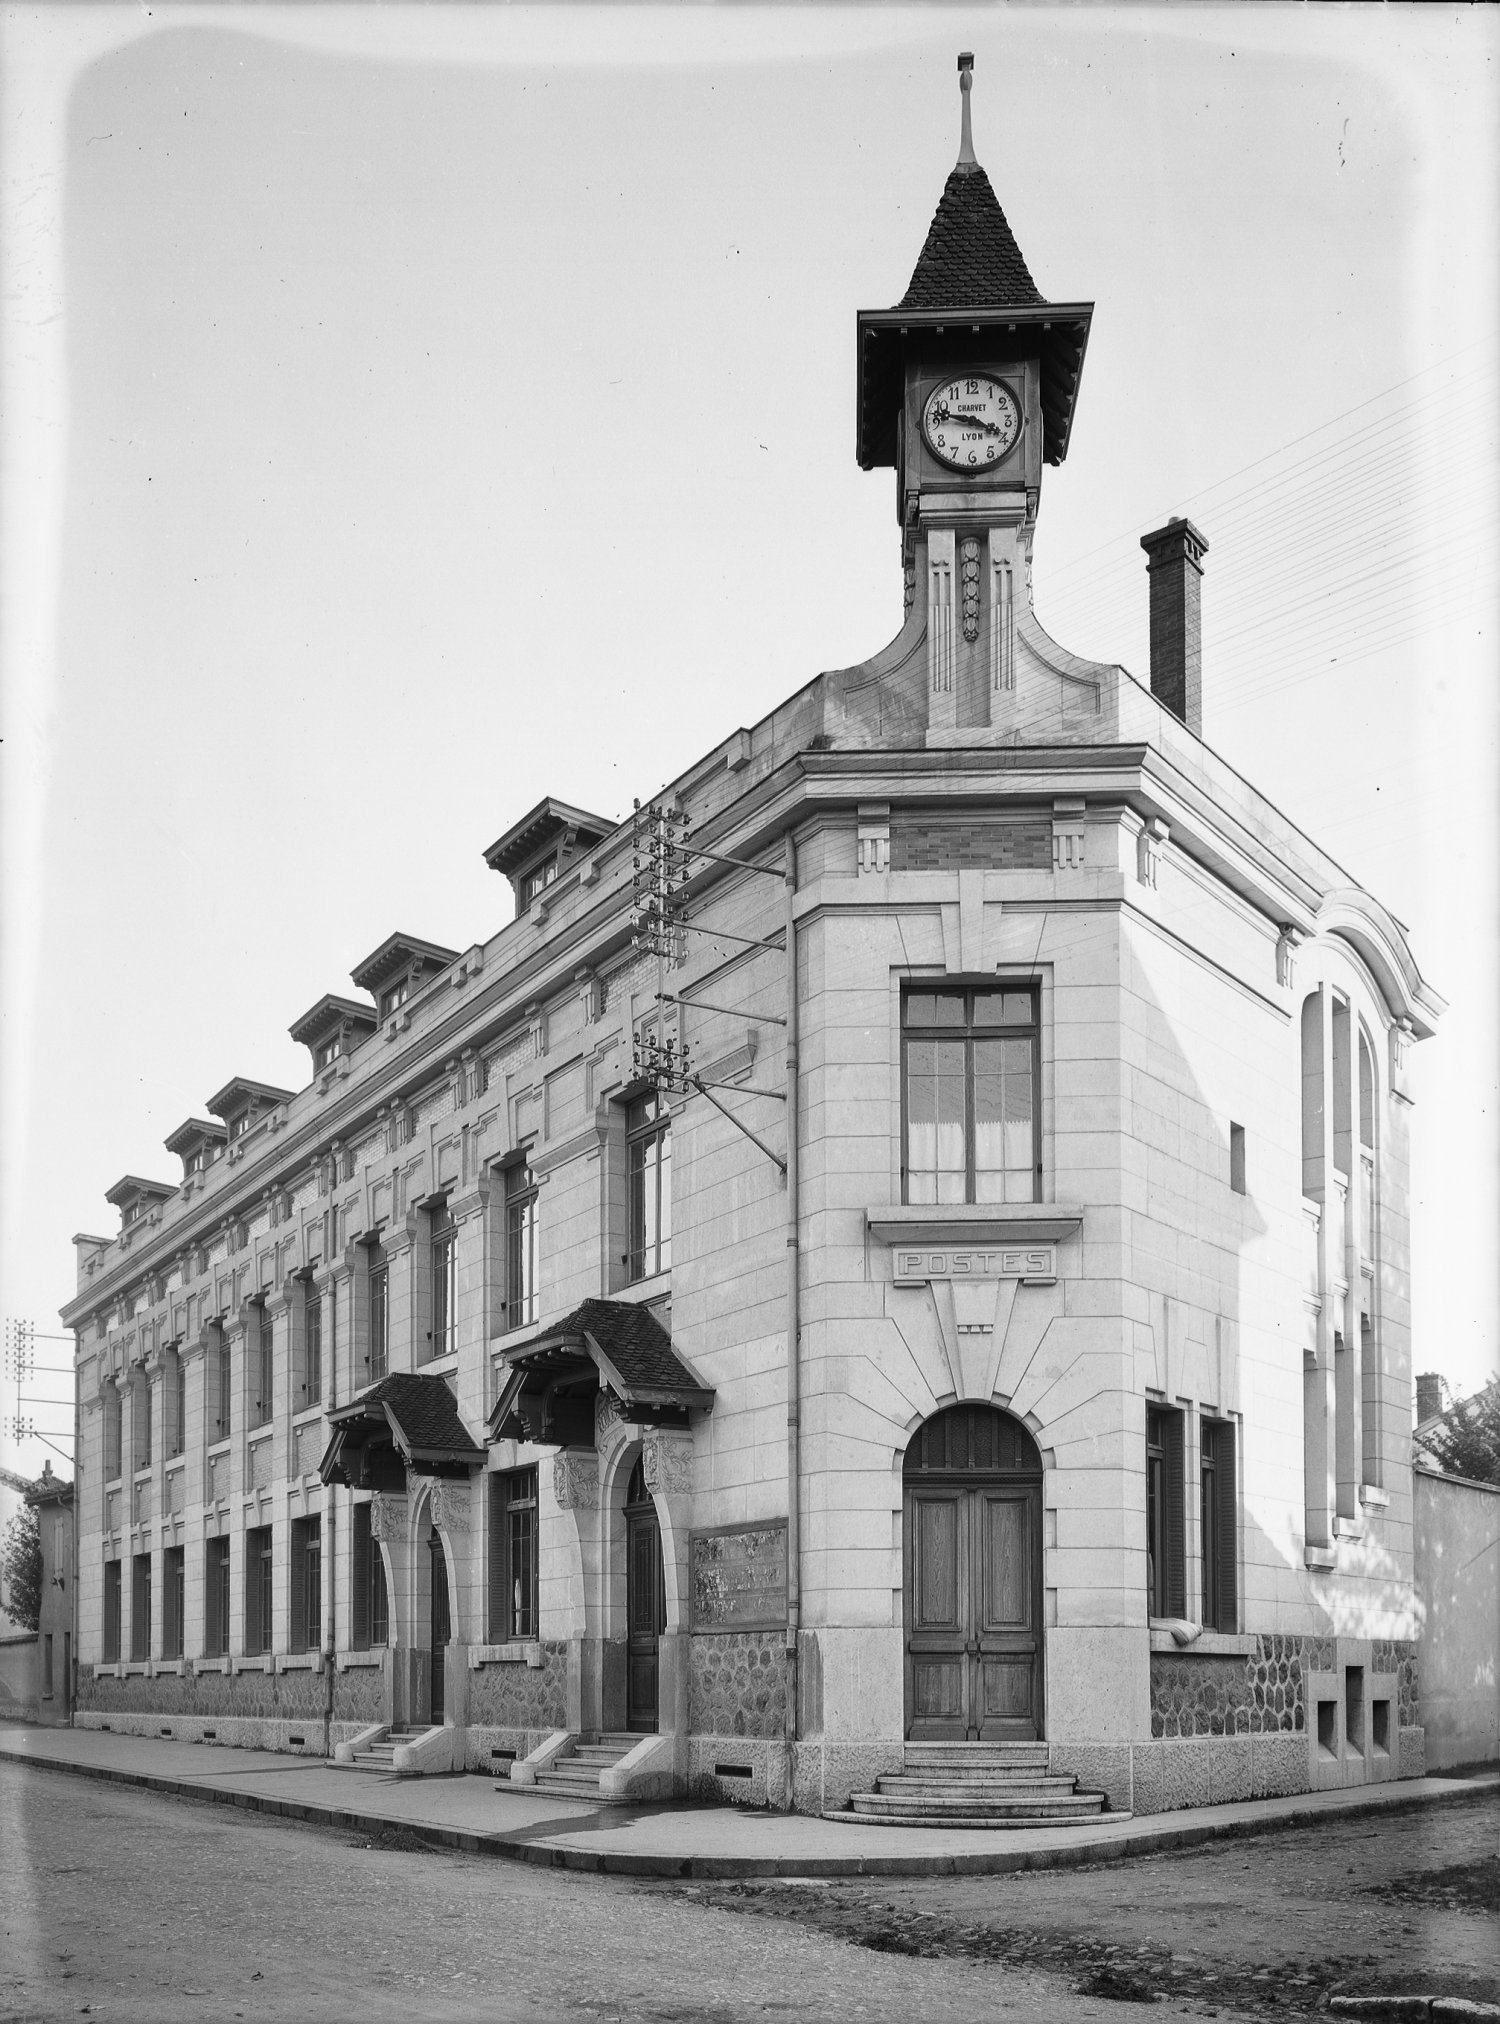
<point x="520" y="1247"/>
<point x="444" y="1264"/>
<point x="513" y="1556"/>
<point x="173" y="1600"/>
<point x="258" y="1589"/>
<point x="112" y="1443"/>
<point x="1220" y="1586"/>
<point x="1166" y="1572"/>
<point x="312" y="1344"/>
<point x="111" y="1645"/>
<point x="380" y="1313"/>
<point x="649" y="1147"/>
<point x="259" y="1336"/>
<point x="223" y="1386"/>
<point x="216" y="1597"/>
<point x="970" y="1083"/>
<point x="369" y="1606"/>
<point x="178" y="1438"/>
<point x="140" y="1606"/>
<point x="307" y="1584"/>
<point x="141" y="1414"/>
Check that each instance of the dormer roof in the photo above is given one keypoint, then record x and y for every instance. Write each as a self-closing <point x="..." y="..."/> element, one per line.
<point x="398" y="953"/>
<point x="241" y="1095"/>
<point x="332" y="1015"/>
<point x="194" y="1134"/>
<point x="549" y="822"/>
<point x="131" y="1192"/>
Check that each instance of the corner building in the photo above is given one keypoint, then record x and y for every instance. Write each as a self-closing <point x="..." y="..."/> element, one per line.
<point x="998" y="1342"/>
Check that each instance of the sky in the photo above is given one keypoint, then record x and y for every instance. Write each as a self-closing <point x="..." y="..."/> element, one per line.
<point x="413" y="412"/>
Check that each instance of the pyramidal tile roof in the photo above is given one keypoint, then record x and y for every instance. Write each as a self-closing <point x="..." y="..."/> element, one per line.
<point x="971" y="259"/>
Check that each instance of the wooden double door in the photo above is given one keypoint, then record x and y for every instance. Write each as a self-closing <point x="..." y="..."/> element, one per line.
<point x="973" y="1607"/>
<point x="645" y="1608"/>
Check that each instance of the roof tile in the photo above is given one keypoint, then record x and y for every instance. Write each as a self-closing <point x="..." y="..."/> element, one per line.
<point x="971" y="259"/>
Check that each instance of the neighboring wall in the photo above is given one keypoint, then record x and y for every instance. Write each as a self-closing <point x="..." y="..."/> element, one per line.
<point x="18" y="1677"/>
<point x="1458" y="1585"/>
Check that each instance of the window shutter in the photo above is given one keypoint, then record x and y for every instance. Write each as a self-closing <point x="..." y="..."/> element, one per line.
<point x="1176" y="1572"/>
<point x="1228" y="1541"/>
<point x="298" y="1640"/>
<point x="497" y="1596"/>
<point x="361" y="1583"/>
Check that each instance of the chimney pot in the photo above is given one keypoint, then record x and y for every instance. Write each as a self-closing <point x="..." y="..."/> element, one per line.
<point x="1174" y="568"/>
<point x="1429" y="1396"/>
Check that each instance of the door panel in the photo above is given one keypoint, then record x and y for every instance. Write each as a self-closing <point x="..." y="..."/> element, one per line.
<point x="645" y="1619"/>
<point x="973" y="1592"/>
<point x="1006" y="1523"/>
<point x="440" y="1626"/>
<point x="937" y="1669"/>
<point x="939" y="1606"/>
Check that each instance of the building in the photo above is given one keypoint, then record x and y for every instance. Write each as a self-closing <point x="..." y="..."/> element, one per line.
<point x="52" y="1500"/>
<point x="904" y="1242"/>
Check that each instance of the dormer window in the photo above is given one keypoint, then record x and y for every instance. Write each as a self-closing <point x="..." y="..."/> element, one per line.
<point x="134" y="1213"/>
<point x="240" y="1125"/>
<point x="395" y="997"/>
<point x="537" y="880"/>
<point x="329" y="1052"/>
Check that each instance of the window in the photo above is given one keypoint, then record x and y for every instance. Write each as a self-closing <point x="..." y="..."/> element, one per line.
<point x="216" y="1598"/>
<point x="1237" y="1158"/>
<point x="222" y="1367"/>
<point x="142" y="1403"/>
<point x="177" y="1439"/>
<point x="240" y="1125"/>
<point x="371" y="1625"/>
<point x="394" y="997"/>
<point x="312" y="1344"/>
<point x="258" y="1589"/>
<point x="258" y="1343"/>
<point x="47" y="1666"/>
<point x="380" y="1313"/>
<point x="140" y="1606"/>
<point x="649" y="1153"/>
<point x="520" y="1247"/>
<point x="970" y="1060"/>
<point x="1220" y="1587"/>
<point x="1166" y="1582"/>
<point x="443" y="1259"/>
<point x="111" y="1611"/>
<point x="329" y="1052"/>
<point x="112" y="1442"/>
<point x="173" y="1601"/>
<point x="513" y="1556"/>
<point x="537" y="880"/>
<point x="307" y="1584"/>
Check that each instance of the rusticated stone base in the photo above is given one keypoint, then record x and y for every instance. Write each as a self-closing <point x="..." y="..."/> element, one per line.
<point x="256" y="1696"/>
<point x="228" y="1732"/>
<point x="737" y="1684"/>
<point x="526" y="1699"/>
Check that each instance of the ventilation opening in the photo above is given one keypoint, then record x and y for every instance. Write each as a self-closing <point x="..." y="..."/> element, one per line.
<point x="210" y="1735"/>
<point x="1354" y="1708"/>
<point x="1237" y="1158"/>
<point x="733" y="1771"/>
<point x="1380" y="1727"/>
<point x="164" y="1732"/>
<point x="1328" y="1728"/>
<point x="502" y="1756"/>
<point x="297" y="1741"/>
<point x="104" y="1725"/>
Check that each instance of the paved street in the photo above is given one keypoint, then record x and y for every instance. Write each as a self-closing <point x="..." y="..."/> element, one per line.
<point x="127" y="1905"/>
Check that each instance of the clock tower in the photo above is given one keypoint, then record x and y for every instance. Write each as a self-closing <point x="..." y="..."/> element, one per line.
<point x="966" y="389"/>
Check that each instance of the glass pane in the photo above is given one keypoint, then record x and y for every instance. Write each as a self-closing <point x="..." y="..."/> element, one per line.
<point x="935" y="1008"/>
<point x="1003" y="1145"/>
<point x="935" y="1154"/>
<point x="1002" y="1008"/>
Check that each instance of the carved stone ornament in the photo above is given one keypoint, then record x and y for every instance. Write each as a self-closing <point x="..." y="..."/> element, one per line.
<point x="450" y="1505"/>
<point x="969" y="554"/>
<point x="575" y="1479"/>
<point x="667" y="1462"/>
<point x="1287" y="943"/>
<point x="610" y="1427"/>
<point x="388" y="1519"/>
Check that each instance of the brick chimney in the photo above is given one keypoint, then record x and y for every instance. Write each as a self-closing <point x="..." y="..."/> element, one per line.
<point x="1429" y="1396"/>
<point x="1175" y="569"/>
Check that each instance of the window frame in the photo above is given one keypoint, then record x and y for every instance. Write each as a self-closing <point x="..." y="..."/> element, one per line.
<point x="216" y="1593"/>
<point x="1218" y="1514"/>
<point x="378" y="1313"/>
<point x="515" y="1557"/>
<point x="969" y="1031"/>
<point x="260" y="1576"/>
<point x="1166" y="1532"/>
<point x="312" y="1346"/>
<point x="522" y="1246"/>
<point x="644" y="1135"/>
<point x="306" y="1625"/>
<point x="140" y="1607"/>
<point x="442" y="1283"/>
<point x="109" y="1630"/>
<point x="173" y="1601"/>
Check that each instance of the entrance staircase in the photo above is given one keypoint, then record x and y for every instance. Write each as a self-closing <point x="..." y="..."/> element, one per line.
<point x="975" y="1785"/>
<point x="380" y="1755"/>
<point x="576" y="1775"/>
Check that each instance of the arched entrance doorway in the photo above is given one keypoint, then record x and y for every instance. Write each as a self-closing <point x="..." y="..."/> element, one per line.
<point x="973" y="1559"/>
<point x="645" y="1605"/>
<point x="440" y="1627"/>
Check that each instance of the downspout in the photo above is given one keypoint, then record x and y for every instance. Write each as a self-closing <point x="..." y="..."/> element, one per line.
<point x="77" y="1508"/>
<point x="793" y="1333"/>
<point x="329" y="1556"/>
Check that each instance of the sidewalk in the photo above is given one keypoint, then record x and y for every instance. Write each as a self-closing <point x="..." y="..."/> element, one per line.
<point x="702" y="1842"/>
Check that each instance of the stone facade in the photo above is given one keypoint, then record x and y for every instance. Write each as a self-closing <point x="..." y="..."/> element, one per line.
<point x="738" y="1684"/>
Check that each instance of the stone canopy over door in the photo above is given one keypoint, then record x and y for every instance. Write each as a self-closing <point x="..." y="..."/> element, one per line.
<point x="973" y="1579"/>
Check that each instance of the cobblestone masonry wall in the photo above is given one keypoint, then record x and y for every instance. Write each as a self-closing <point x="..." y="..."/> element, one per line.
<point x="359" y="1695"/>
<point x="737" y="1684"/>
<point x="1261" y="1694"/>
<point x="260" y="1696"/>
<point x="515" y="1696"/>
<point x="919" y="846"/>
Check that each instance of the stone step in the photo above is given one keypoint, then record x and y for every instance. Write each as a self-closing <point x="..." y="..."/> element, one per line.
<point x="979" y="1783"/>
<point x="1073" y="1805"/>
<point x="976" y="1753"/>
<point x="850" y="1818"/>
<point x="560" y="1788"/>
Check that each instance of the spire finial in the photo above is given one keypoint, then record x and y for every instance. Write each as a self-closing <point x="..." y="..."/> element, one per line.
<point x="966" y="85"/>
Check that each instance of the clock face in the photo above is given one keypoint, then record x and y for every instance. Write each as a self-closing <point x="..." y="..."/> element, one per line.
<point x="970" y="422"/>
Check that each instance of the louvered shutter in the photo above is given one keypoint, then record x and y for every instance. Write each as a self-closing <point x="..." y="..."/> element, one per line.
<point x="1227" y="1514"/>
<point x="361" y="1581"/>
<point x="1176" y="1570"/>
<point x="497" y="1568"/>
<point x="299" y="1585"/>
